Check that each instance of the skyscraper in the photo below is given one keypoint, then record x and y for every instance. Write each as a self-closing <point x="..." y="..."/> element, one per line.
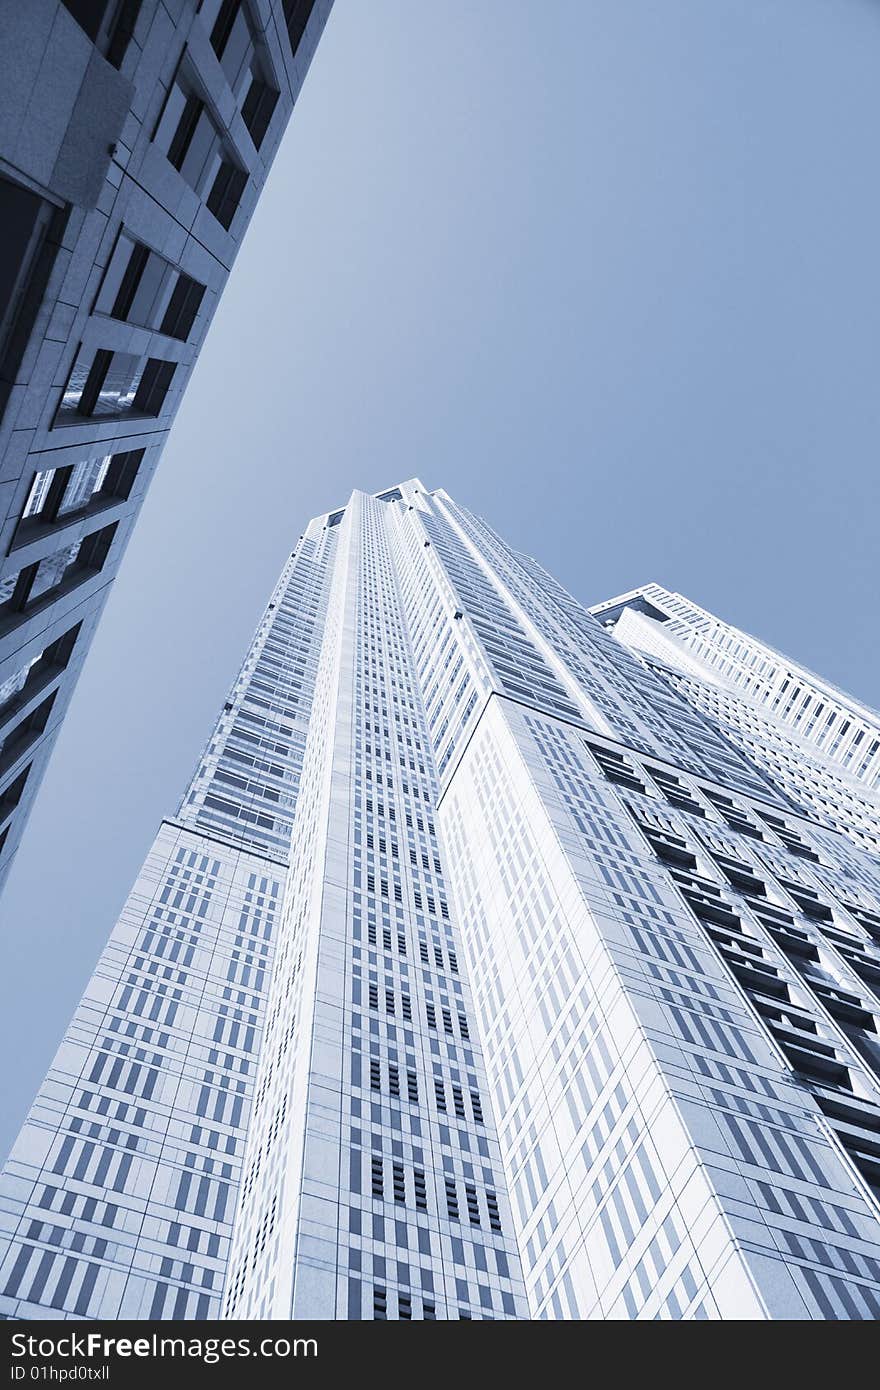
<point x="135" y="138"/>
<point x="495" y="965"/>
<point x="846" y="732"/>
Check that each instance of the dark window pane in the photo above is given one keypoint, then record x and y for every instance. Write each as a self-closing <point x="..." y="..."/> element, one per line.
<point x="89" y="14"/>
<point x="258" y="108"/>
<point x="186" y="126"/>
<point x="131" y="278"/>
<point x="19" y="217"/>
<point x="10" y="796"/>
<point x="88" y="394"/>
<point x="296" y="15"/>
<point x="222" y="28"/>
<point x="153" y="388"/>
<point x="121" y="474"/>
<point x="183" y="306"/>
<point x="226" y="192"/>
<point x="122" y="31"/>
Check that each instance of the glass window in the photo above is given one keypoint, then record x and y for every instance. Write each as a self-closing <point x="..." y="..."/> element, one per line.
<point x="86" y="479"/>
<point x="114" y="384"/>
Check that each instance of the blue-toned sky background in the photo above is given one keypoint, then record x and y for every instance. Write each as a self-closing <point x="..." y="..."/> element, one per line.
<point x="607" y="270"/>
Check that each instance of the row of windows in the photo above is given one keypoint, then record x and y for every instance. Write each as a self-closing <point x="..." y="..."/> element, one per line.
<point x="143" y="288"/>
<point x="403" y="1189"/>
<point x="64" y="494"/>
<point x="245" y="66"/>
<point x="24" y="589"/>
<point x="617" y="768"/>
<point x="805" y="1040"/>
<point x="140" y="286"/>
<point x="394" y="1082"/>
<point x="806" y="778"/>
<point x="114" y="384"/>
<point x="113" y="1152"/>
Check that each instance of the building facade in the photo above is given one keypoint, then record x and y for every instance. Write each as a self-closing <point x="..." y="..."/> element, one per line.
<point x="845" y="732"/>
<point x="495" y="965"/>
<point x="135" y="138"/>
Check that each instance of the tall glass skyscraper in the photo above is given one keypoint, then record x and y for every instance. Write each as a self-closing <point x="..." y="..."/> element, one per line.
<point x="503" y="960"/>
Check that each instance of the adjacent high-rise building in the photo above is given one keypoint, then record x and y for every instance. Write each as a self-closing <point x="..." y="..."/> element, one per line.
<point x="135" y="138"/>
<point x="844" y="730"/>
<point x="501" y="961"/>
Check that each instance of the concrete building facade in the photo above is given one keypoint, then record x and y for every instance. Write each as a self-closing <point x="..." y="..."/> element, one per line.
<point x="135" y="137"/>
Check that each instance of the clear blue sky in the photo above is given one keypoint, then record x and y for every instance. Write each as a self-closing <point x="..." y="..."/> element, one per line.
<point x="607" y="270"/>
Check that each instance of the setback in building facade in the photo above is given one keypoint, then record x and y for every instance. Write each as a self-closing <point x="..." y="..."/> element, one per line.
<point x="502" y="960"/>
<point x="135" y="137"/>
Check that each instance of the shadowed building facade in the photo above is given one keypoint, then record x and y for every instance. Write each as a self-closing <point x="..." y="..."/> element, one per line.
<point x="135" y="137"/>
<point x="502" y="960"/>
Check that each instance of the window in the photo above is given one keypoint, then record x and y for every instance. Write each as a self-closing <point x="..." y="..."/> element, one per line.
<point x="226" y="191"/>
<point x="24" y="216"/>
<point x="377" y="1177"/>
<point x="141" y="287"/>
<point x="194" y="138"/>
<point x="73" y="563"/>
<point x="420" y="1189"/>
<point x="183" y="306"/>
<point x="233" y="41"/>
<point x="19" y="589"/>
<point x="114" y="384"/>
<point x="451" y="1199"/>
<point x="494" y="1214"/>
<point x="102" y="386"/>
<point x="89" y="14"/>
<point x="50" y="572"/>
<point x="230" y="37"/>
<point x="790" y="836"/>
<point x="32" y="231"/>
<point x="122" y="30"/>
<point x="153" y="386"/>
<point x="37" y="672"/>
<point x="128" y="293"/>
<point x="472" y="1204"/>
<point x="296" y="17"/>
<point x="195" y="147"/>
<point x="26" y="732"/>
<point x="867" y="919"/>
<point x="109" y="25"/>
<point x="258" y="109"/>
<point x="398" y="1182"/>
<point x="808" y="900"/>
<point x="85" y="479"/>
<point x="59" y="495"/>
<point x="735" y="816"/>
<point x="10" y="796"/>
<point x="676" y="792"/>
<point x="15" y="683"/>
<point x="615" y="767"/>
